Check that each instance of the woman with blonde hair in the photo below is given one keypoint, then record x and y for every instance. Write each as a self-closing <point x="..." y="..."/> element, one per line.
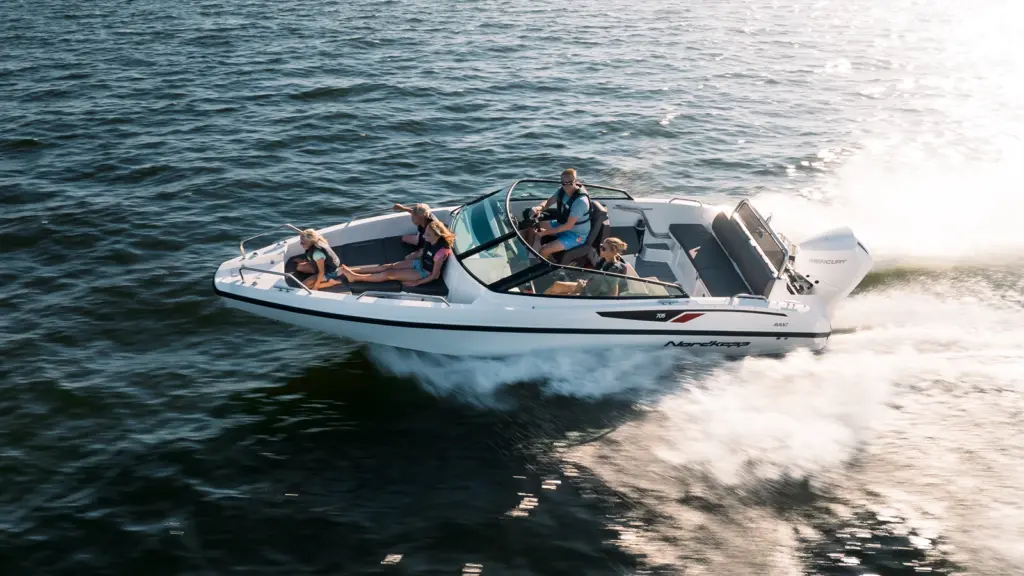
<point x="598" y="284"/>
<point x="318" y="260"/>
<point x="437" y="247"/>
<point x="421" y="216"/>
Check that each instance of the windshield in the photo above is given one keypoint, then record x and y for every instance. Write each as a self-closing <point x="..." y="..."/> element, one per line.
<point x="540" y="190"/>
<point x="490" y="248"/>
<point x="500" y="261"/>
<point x="580" y="283"/>
<point x="480" y="222"/>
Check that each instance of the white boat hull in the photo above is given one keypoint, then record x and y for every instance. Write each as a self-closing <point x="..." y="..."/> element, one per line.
<point x="714" y="269"/>
<point x="534" y="330"/>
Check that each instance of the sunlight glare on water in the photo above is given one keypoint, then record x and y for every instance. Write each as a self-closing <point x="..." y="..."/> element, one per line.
<point x="918" y="407"/>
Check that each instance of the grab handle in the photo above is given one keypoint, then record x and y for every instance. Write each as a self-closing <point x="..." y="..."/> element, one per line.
<point x="275" y="273"/>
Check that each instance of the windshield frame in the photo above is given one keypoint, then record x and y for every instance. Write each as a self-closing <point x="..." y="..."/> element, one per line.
<point x="461" y="211"/>
<point x="543" y="265"/>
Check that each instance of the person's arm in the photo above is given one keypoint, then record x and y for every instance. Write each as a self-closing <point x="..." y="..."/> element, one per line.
<point x="433" y="276"/>
<point x="414" y="255"/>
<point x="399" y="208"/>
<point x="563" y="227"/>
<point x="545" y="204"/>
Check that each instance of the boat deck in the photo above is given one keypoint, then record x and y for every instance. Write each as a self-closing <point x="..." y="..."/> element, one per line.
<point x="392" y="249"/>
<point x="378" y="251"/>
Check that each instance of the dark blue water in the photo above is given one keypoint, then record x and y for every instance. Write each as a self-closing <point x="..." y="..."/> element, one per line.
<point x="146" y="429"/>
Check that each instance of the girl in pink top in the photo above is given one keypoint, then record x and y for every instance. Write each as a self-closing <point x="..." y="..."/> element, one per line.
<point x="437" y="247"/>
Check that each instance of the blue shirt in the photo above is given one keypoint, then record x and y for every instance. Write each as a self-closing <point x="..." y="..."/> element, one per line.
<point x="580" y="209"/>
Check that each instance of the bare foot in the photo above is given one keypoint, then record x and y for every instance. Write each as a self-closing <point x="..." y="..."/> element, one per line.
<point x="346" y="272"/>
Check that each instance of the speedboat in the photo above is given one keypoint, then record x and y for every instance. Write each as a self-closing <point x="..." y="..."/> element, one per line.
<point x="699" y="277"/>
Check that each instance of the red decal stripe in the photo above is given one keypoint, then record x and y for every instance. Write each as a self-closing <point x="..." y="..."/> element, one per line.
<point x="687" y="316"/>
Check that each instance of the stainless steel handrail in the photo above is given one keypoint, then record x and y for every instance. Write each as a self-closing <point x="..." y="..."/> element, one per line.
<point x="359" y="216"/>
<point x="627" y="195"/>
<point x="751" y="297"/>
<point x="405" y="296"/>
<point x="241" y="245"/>
<point x="275" y="273"/>
<point x="647" y="223"/>
<point x="691" y="200"/>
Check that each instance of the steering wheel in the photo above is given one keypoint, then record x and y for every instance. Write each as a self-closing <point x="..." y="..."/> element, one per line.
<point x="529" y="219"/>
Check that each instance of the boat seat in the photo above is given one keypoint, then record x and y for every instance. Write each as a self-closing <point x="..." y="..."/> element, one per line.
<point x="587" y="254"/>
<point x="740" y="247"/>
<point x="634" y="288"/>
<point x="628" y="234"/>
<point x="652" y="268"/>
<point x="376" y="251"/>
<point x="435" y="288"/>
<point x="709" y="259"/>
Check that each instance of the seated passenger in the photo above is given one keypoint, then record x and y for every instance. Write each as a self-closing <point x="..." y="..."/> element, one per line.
<point x="571" y="223"/>
<point x="318" y="260"/>
<point x="598" y="284"/>
<point x="427" y="268"/>
<point x="421" y="216"/>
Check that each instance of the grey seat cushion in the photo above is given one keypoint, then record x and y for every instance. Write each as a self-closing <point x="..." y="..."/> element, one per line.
<point x="377" y="251"/>
<point x="627" y="234"/>
<point x="660" y="270"/>
<point x="740" y="247"/>
<point x="712" y="264"/>
<point x="435" y="288"/>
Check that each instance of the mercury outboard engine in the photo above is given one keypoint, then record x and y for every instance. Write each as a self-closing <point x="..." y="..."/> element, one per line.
<point x="830" y="265"/>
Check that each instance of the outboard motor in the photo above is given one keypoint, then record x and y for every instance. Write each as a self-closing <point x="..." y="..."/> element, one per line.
<point x="833" y="264"/>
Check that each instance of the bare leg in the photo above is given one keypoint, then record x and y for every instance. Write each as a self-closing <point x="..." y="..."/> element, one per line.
<point x="530" y="234"/>
<point x="382" y="267"/>
<point x="550" y="248"/>
<point x="371" y="269"/>
<point x="327" y="283"/>
<point x="403" y="275"/>
<point x="305" y="268"/>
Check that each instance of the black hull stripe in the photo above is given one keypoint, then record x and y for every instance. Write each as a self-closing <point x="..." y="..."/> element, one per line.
<point x="516" y="329"/>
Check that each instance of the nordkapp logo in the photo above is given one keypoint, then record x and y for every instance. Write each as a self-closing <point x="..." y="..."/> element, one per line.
<point x="713" y="343"/>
